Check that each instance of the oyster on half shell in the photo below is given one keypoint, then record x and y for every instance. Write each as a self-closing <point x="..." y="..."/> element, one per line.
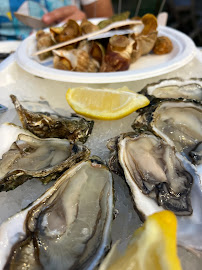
<point x="154" y="171"/>
<point x="26" y="156"/>
<point x="175" y="88"/>
<point x="178" y="122"/>
<point x="47" y="125"/>
<point x="160" y="178"/>
<point x="68" y="227"/>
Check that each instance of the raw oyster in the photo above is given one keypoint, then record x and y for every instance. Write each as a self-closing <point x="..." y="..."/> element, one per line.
<point x="175" y="88"/>
<point x="68" y="227"/>
<point x="178" y="122"/>
<point x="46" y="125"/>
<point x="153" y="169"/>
<point x="162" y="180"/>
<point x="32" y="157"/>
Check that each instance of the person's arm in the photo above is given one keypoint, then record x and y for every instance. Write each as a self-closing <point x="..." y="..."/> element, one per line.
<point x="99" y="8"/>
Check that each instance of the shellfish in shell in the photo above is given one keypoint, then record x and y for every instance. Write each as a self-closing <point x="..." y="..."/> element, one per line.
<point x="160" y="178"/>
<point x="25" y="156"/>
<point x="178" y="122"/>
<point x="49" y="125"/>
<point x="175" y="88"/>
<point x="68" y="227"/>
<point x="153" y="169"/>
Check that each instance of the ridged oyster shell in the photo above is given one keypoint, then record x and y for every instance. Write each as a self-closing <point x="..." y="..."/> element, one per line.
<point x="154" y="192"/>
<point x="154" y="171"/>
<point x="178" y="122"/>
<point x="26" y="156"/>
<point x="46" y="125"/>
<point x="175" y="88"/>
<point x="68" y="227"/>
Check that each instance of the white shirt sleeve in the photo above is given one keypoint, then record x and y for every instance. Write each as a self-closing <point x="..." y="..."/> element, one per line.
<point x="87" y="2"/>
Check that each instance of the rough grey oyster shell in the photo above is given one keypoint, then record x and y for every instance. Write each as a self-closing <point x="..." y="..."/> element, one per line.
<point x="46" y="125"/>
<point x="68" y="227"/>
<point x="189" y="232"/>
<point x="175" y="88"/>
<point x="154" y="172"/>
<point x="178" y="122"/>
<point x="31" y="157"/>
<point x="196" y="154"/>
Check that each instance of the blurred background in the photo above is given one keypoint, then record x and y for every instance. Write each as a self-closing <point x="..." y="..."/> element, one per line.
<point x="184" y="15"/>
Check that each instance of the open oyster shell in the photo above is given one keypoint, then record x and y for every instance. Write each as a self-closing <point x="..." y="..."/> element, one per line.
<point x="155" y="173"/>
<point x="27" y="157"/>
<point x="175" y="88"/>
<point x="178" y="122"/>
<point x="46" y="125"/>
<point x="68" y="227"/>
<point x="160" y="178"/>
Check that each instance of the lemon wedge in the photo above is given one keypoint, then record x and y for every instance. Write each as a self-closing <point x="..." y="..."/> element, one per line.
<point x="105" y="104"/>
<point x="153" y="246"/>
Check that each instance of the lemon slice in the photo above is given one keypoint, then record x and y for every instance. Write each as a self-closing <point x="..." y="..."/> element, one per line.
<point x="153" y="246"/>
<point x="105" y="104"/>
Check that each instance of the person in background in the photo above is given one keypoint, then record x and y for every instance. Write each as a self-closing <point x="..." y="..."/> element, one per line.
<point x="51" y="12"/>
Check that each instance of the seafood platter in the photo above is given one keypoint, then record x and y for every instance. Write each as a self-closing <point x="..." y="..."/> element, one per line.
<point x="140" y="50"/>
<point x="71" y="186"/>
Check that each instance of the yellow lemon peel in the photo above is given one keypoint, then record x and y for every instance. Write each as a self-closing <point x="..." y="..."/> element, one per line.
<point x="105" y="104"/>
<point x="153" y="246"/>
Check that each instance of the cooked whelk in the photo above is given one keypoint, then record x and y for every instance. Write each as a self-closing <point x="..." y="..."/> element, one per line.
<point x="154" y="172"/>
<point x="175" y="88"/>
<point x="31" y="157"/>
<point x="179" y="123"/>
<point x="68" y="227"/>
<point x="46" y="125"/>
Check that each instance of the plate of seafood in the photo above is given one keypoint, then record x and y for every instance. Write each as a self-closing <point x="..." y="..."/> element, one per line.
<point x="153" y="164"/>
<point x="138" y="51"/>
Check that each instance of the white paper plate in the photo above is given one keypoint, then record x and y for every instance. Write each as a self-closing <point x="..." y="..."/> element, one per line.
<point x="9" y="46"/>
<point x="145" y="67"/>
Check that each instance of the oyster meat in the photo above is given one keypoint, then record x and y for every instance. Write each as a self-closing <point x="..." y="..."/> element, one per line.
<point x="153" y="169"/>
<point x="175" y="88"/>
<point x="178" y="122"/>
<point x="160" y="178"/>
<point x="68" y="227"/>
<point x="27" y="156"/>
<point x="46" y="125"/>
